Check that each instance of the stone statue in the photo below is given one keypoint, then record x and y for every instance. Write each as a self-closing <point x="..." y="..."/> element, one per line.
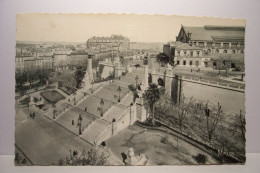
<point x="133" y="160"/>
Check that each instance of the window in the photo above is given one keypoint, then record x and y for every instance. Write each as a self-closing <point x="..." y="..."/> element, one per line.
<point x="233" y="44"/>
<point x="209" y="44"/>
<point x="201" y="44"/>
<point x="190" y="62"/>
<point x="185" y="53"/>
<point x="178" y="53"/>
<point x="191" y="53"/>
<point x="233" y="51"/>
<point x="197" y="63"/>
<point x="198" y="53"/>
<point x="178" y="62"/>
<point x="184" y="62"/>
<point x="217" y="44"/>
<point x="209" y="50"/>
<point x="225" y="51"/>
<point x="225" y="44"/>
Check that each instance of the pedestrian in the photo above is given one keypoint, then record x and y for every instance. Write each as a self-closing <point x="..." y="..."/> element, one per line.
<point x="72" y="122"/>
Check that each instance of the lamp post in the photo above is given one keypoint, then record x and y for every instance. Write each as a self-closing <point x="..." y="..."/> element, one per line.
<point x="79" y="124"/>
<point x="54" y="111"/>
<point x="74" y="99"/>
<point x="136" y="80"/>
<point x="119" y="90"/>
<point x="100" y="109"/>
<point x="92" y="83"/>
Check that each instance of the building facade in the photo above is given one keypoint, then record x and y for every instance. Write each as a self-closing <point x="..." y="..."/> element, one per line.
<point x="182" y="54"/>
<point x="115" y="42"/>
<point x="28" y="62"/>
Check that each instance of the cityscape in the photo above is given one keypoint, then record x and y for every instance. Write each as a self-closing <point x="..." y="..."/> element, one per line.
<point x="120" y="96"/>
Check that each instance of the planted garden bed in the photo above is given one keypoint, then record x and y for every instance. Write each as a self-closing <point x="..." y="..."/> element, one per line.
<point x="52" y="96"/>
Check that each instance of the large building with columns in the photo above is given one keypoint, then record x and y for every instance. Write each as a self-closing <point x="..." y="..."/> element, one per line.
<point x="216" y="39"/>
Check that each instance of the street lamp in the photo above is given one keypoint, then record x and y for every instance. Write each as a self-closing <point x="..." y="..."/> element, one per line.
<point x="92" y="83"/>
<point x="136" y="79"/>
<point x="74" y="99"/>
<point x="119" y="90"/>
<point x="79" y="124"/>
<point x="54" y="111"/>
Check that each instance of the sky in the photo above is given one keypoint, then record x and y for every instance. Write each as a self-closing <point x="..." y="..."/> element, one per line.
<point x="81" y="27"/>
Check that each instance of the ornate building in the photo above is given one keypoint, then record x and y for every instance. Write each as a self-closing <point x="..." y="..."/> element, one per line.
<point x="216" y="39"/>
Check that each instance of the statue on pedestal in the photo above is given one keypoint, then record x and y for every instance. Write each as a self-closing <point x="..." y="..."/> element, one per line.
<point x="133" y="160"/>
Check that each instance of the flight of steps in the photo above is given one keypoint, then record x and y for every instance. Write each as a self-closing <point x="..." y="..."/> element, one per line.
<point x="95" y="130"/>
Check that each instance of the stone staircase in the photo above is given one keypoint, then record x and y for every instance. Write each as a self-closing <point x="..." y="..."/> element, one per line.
<point x="95" y="130"/>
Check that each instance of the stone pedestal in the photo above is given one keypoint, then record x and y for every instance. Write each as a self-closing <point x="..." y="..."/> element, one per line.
<point x="90" y="68"/>
<point x="118" y="69"/>
<point x="154" y="76"/>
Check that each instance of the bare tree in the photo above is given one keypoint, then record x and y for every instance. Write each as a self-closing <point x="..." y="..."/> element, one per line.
<point x="182" y="110"/>
<point x="239" y="124"/>
<point x="213" y="117"/>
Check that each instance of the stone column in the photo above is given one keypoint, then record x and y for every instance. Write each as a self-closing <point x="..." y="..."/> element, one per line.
<point x="177" y="89"/>
<point x="168" y="81"/>
<point x="153" y="76"/>
<point x="90" y="68"/>
<point x="117" y="69"/>
<point x="146" y="76"/>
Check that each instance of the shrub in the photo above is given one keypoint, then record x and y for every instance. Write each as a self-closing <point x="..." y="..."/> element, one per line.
<point x="165" y="139"/>
<point x="200" y="158"/>
<point x="60" y="84"/>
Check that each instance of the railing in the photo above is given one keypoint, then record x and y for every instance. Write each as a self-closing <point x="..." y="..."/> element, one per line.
<point x="215" y="83"/>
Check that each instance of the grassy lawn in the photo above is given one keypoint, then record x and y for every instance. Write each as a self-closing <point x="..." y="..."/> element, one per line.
<point x="150" y="143"/>
<point x="52" y="96"/>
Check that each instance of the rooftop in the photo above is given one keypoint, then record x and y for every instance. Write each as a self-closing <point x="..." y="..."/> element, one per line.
<point x="113" y="37"/>
<point x="216" y="33"/>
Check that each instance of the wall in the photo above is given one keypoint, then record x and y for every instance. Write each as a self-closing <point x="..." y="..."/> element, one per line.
<point x="123" y="121"/>
<point x="231" y="101"/>
<point x="105" y="70"/>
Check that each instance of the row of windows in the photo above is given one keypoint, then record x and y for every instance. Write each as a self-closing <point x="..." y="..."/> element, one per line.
<point x="209" y="44"/>
<point x="190" y="62"/>
<point x="225" y="51"/>
<point x="191" y="53"/>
